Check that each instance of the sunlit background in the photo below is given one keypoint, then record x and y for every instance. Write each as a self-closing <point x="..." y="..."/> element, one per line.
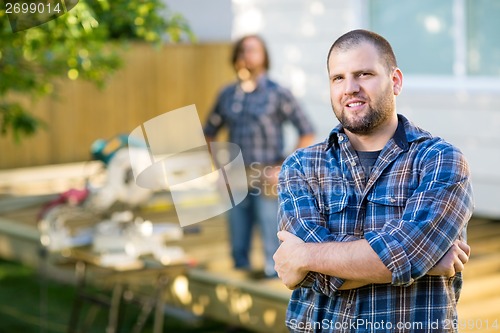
<point x="448" y="50"/>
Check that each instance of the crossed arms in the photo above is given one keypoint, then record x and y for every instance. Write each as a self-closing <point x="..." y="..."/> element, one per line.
<point x="424" y="241"/>
<point x="355" y="261"/>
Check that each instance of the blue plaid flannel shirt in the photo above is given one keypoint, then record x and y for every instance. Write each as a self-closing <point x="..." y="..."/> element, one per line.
<point x="415" y="204"/>
<point x="255" y="120"/>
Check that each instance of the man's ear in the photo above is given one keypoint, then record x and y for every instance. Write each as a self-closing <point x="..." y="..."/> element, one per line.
<point x="397" y="80"/>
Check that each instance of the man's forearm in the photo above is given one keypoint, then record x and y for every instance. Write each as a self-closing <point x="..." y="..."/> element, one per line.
<point x="353" y="261"/>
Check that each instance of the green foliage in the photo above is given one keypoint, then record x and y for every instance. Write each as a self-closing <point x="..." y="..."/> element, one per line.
<point x="84" y="43"/>
<point x="18" y="120"/>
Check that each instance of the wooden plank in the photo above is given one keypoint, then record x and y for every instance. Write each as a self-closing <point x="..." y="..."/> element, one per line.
<point x="46" y="179"/>
<point x="477" y="290"/>
<point x="17" y="230"/>
<point x="484" y="246"/>
<point x="482" y="265"/>
<point x="477" y="232"/>
<point x="481" y="316"/>
<point x="12" y="204"/>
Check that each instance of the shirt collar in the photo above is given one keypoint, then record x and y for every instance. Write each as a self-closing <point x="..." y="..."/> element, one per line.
<point x="261" y="83"/>
<point x="406" y="132"/>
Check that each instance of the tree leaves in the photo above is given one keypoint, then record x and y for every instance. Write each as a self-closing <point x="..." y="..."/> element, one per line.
<point x="85" y="43"/>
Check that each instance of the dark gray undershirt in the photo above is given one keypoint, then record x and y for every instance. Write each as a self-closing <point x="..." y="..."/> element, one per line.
<point x="368" y="159"/>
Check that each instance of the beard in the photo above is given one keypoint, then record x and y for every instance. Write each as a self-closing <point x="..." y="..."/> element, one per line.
<point x="376" y="115"/>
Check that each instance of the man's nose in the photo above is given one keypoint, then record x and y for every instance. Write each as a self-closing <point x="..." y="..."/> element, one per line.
<point x="351" y="86"/>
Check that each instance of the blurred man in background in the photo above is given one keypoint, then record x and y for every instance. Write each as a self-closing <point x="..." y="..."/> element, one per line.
<point x="254" y="110"/>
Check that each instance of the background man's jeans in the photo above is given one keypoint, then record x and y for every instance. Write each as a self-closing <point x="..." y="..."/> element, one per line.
<point x="260" y="209"/>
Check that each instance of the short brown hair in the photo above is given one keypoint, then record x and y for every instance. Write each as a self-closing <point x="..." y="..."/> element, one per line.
<point x="356" y="37"/>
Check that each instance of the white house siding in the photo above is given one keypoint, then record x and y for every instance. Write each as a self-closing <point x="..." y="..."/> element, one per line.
<point x="299" y="34"/>
<point x="471" y="121"/>
<point x="210" y="20"/>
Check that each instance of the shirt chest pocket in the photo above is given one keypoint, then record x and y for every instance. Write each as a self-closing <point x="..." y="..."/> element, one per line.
<point x="396" y="196"/>
<point x="389" y="204"/>
<point x="332" y="198"/>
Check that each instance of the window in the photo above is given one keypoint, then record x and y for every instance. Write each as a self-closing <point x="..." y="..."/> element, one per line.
<point x="483" y="57"/>
<point x="444" y="38"/>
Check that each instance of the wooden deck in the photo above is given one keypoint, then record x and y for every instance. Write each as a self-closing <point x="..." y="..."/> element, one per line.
<point x="216" y="290"/>
<point x="479" y="304"/>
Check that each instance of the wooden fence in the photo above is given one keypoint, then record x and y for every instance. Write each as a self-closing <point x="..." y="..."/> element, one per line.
<point x="152" y="82"/>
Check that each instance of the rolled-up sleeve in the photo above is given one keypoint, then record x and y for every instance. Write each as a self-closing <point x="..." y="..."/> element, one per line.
<point x="435" y="215"/>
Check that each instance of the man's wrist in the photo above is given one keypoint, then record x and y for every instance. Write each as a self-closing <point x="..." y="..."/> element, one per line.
<point x="307" y="257"/>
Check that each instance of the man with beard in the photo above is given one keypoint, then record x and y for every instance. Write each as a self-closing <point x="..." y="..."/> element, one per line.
<point x="373" y="220"/>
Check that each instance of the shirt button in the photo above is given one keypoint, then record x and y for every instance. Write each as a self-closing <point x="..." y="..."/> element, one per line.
<point x="353" y="163"/>
<point x="341" y="138"/>
<point x="392" y="199"/>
